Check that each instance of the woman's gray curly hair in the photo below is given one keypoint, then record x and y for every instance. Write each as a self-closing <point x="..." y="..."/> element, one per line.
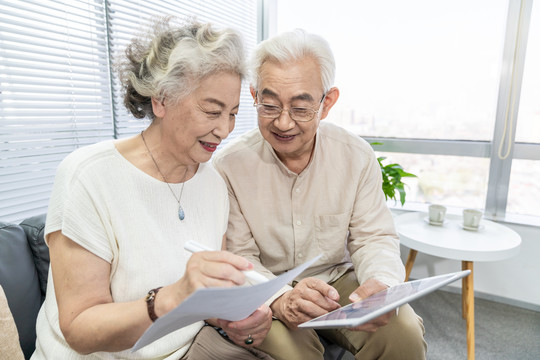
<point x="170" y="61"/>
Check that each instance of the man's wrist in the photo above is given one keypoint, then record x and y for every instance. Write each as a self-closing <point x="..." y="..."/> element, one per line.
<point x="274" y="306"/>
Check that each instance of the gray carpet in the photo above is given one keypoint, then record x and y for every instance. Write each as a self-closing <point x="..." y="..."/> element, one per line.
<point x="502" y="332"/>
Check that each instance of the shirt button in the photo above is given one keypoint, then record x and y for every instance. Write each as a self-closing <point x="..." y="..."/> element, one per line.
<point x="298" y="222"/>
<point x="300" y="255"/>
<point x="297" y="190"/>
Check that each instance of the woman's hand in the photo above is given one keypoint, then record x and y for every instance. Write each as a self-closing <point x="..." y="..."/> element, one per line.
<point x="254" y="327"/>
<point x="204" y="269"/>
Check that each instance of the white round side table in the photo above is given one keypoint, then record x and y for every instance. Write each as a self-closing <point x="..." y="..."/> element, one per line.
<point x="491" y="242"/>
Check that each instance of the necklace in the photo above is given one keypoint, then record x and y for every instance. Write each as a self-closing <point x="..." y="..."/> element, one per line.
<point x="181" y="214"/>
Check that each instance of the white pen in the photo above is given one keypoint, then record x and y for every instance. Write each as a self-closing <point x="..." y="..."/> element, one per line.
<point x="252" y="275"/>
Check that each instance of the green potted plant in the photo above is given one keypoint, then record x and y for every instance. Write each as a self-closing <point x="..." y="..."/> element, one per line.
<point x="391" y="176"/>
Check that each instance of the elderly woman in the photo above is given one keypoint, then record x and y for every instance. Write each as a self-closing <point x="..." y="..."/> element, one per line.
<point x="121" y="211"/>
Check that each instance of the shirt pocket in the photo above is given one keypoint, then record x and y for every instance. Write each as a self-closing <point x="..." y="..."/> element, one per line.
<point x="331" y="234"/>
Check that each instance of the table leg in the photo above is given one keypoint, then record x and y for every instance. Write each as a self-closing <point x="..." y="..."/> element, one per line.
<point x="410" y="263"/>
<point x="463" y="292"/>
<point x="468" y="306"/>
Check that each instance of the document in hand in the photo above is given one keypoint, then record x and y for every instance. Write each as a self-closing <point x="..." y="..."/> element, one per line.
<point x="234" y="303"/>
<point x="380" y="303"/>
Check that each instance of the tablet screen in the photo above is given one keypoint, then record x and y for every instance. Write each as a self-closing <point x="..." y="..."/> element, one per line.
<point x="382" y="302"/>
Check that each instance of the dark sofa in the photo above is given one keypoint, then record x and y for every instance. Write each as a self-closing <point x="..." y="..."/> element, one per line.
<point x="24" y="267"/>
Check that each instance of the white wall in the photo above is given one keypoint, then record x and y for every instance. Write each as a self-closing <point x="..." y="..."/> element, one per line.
<point x="514" y="281"/>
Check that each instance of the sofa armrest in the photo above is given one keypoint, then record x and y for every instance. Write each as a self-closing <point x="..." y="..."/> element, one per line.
<point x="19" y="279"/>
<point x="34" y="227"/>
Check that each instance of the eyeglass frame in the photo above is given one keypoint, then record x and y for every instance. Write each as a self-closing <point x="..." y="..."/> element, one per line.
<point x="315" y="112"/>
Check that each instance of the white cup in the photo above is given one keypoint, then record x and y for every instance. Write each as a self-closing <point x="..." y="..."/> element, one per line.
<point x="471" y="218"/>
<point x="436" y="214"/>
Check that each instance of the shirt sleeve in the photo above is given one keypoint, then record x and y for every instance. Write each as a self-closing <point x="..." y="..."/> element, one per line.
<point x="373" y="242"/>
<point x="73" y="210"/>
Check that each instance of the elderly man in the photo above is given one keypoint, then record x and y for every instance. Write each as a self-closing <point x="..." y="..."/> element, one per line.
<point x="299" y="188"/>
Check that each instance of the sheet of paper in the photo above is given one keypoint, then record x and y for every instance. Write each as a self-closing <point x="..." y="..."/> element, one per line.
<point x="234" y="303"/>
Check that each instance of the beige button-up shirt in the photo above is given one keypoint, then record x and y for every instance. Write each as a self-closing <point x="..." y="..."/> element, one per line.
<point x="335" y="207"/>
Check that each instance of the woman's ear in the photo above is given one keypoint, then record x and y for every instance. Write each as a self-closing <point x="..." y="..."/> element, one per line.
<point x="330" y="99"/>
<point x="158" y="107"/>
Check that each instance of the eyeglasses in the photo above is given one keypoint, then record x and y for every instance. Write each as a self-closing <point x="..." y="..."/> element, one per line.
<point x="300" y="114"/>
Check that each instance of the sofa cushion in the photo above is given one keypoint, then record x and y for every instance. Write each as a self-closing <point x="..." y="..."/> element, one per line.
<point x="19" y="278"/>
<point x="34" y="228"/>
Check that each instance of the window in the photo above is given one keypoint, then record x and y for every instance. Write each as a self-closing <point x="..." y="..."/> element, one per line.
<point x="438" y="83"/>
<point x="57" y="92"/>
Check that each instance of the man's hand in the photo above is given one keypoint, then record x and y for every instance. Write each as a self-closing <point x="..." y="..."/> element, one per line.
<point x="368" y="288"/>
<point x="257" y="325"/>
<point x="310" y="298"/>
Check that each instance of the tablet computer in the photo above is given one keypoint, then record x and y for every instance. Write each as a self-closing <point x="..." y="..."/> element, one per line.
<point x="364" y="310"/>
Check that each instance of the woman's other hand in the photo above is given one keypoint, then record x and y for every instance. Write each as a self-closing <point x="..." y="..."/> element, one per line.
<point x="253" y="328"/>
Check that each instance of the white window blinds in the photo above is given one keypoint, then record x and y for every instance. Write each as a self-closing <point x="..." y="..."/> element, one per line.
<point x="56" y="91"/>
<point x="55" y="97"/>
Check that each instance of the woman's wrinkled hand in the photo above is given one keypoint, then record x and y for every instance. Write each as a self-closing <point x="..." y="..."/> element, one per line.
<point x="254" y="327"/>
<point x="210" y="269"/>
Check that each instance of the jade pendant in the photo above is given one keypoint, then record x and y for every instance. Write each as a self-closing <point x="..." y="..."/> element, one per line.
<point x="181" y="214"/>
